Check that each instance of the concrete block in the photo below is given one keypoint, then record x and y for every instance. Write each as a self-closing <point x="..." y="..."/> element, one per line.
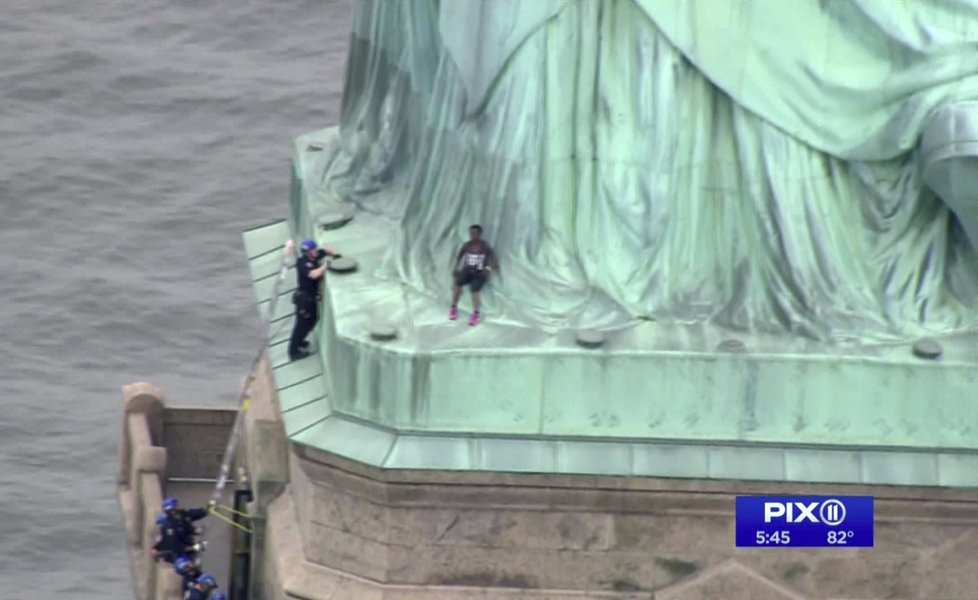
<point x="345" y="551"/>
<point x="266" y="451"/>
<point x="136" y="434"/>
<point x="707" y="537"/>
<point x="197" y="446"/>
<point x="168" y="583"/>
<point x="129" y="506"/>
<point x="354" y="514"/>
<point x="557" y="531"/>
<point x="151" y="459"/>
<point x="143" y="397"/>
<point x="151" y="498"/>
<point x="147" y="400"/>
<point x="730" y="582"/>
<point x="481" y="567"/>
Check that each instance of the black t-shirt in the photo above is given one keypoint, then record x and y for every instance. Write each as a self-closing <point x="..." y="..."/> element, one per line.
<point x="475" y="255"/>
<point x="303" y="266"/>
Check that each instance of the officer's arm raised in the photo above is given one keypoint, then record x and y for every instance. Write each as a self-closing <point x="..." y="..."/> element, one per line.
<point x="317" y="273"/>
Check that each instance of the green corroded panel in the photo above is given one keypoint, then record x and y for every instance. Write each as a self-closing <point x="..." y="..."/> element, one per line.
<point x="721" y="161"/>
<point x="302" y="393"/>
<point x="283" y="307"/>
<point x="278" y="353"/>
<point x="802" y="464"/>
<point x="280" y="332"/>
<point x="915" y="469"/>
<point x="305" y="416"/>
<point x="439" y="453"/>
<point x="355" y="441"/>
<point x="744" y="462"/>
<point x="957" y="470"/>
<point x="265" y="286"/>
<point x="292" y="373"/>
<point x="600" y="458"/>
<point x="516" y="455"/>
<point x="266" y="265"/>
<point x="670" y="460"/>
<point x="382" y="448"/>
<point x="262" y="240"/>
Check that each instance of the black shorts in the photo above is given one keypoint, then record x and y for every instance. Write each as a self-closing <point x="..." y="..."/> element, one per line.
<point x="474" y="278"/>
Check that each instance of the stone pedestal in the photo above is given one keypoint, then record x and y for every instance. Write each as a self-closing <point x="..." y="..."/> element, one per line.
<point x="342" y="530"/>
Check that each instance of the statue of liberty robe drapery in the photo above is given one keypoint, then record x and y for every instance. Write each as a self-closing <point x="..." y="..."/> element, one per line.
<point x="762" y="165"/>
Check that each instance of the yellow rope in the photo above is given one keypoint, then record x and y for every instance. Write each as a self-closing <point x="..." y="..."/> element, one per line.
<point x="234" y="512"/>
<point x="228" y="520"/>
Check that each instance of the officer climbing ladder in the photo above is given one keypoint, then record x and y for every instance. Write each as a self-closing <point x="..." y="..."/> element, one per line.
<point x="246" y="392"/>
<point x="178" y="544"/>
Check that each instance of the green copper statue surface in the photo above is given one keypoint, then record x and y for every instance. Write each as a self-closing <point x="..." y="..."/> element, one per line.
<point x="764" y="165"/>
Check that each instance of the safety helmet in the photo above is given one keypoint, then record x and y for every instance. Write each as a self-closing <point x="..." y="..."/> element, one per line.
<point x="206" y="579"/>
<point x="218" y="596"/>
<point x="308" y="245"/>
<point x="183" y="564"/>
<point x="169" y="504"/>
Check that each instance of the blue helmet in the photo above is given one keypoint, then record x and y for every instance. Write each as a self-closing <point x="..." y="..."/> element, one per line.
<point x="169" y="504"/>
<point x="308" y="245"/>
<point x="218" y="596"/>
<point x="183" y="564"/>
<point x="207" y="579"/>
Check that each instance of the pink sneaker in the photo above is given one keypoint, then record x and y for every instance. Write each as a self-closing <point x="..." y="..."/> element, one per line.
<point x="474" y="319"/>
<point x="453" y="314"/>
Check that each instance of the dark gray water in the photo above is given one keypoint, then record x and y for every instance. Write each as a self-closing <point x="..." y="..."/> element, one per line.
<point x="137" y="140"/>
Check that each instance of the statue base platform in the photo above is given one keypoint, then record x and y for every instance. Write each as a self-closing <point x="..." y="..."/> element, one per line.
<point x="340" y="529"/>
<point x="651" y="400"/>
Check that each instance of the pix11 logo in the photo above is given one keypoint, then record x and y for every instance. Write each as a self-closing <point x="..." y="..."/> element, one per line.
<point x="830" y="512"/>
<point x="804" y="521"/>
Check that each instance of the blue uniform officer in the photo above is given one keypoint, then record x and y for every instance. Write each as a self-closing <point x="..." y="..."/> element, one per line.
<point x="310" y="269"/>
<point x="202" y="589"/>
<point x="188" y="571"/>
<point x="177" y="530"/>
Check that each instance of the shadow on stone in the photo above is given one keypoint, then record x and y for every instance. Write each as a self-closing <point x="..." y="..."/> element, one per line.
<point x="679" y="568"/>
<point x="623" y="584"/>
<point x="489" y="580"/>
<point x="795" y="570"/>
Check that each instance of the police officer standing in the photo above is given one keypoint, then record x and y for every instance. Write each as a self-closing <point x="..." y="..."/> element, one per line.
<point x="310" y="270"/>
<point x="177" y="532"/>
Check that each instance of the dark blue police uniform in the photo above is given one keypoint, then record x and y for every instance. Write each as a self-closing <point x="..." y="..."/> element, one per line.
<point x="177" y="532"/>
<point x="306" y="300"/>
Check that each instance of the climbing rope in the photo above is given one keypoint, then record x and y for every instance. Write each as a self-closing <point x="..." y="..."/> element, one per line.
<point x="246" y="392"/>
<point x="213" y="509"/>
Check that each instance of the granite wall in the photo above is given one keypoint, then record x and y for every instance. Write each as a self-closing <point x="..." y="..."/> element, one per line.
<point x="413" y="533"/>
